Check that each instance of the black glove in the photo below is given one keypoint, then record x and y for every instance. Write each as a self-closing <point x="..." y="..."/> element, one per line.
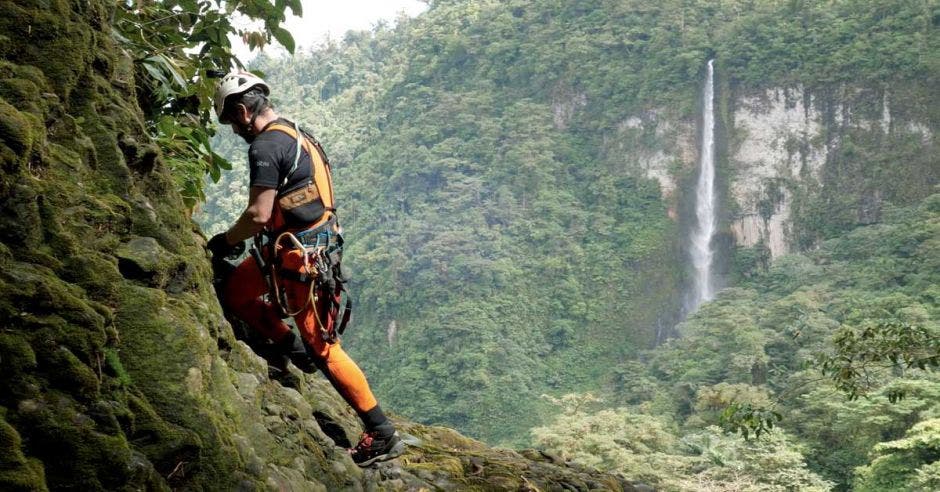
<point x="220" y="248"/>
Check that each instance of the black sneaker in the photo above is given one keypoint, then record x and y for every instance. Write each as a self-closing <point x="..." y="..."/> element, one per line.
<point x="373" y="447"/>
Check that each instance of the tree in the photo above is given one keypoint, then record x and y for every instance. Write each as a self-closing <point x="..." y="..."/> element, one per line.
<point x="178" y="47"/>
<point x="649" y="448"/>
<point x="908" y="464"/>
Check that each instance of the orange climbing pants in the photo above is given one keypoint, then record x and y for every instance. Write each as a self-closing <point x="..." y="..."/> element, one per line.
<point x="243" y="293"/>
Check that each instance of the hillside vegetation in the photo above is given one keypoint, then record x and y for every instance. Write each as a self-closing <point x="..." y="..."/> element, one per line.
<point x="502" y="250"/>
<point x="762" y="343"/>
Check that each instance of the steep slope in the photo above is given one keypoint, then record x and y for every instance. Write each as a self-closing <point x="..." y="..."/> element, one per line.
<point x="117" y="370"/>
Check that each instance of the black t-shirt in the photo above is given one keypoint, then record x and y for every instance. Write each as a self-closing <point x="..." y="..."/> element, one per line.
<point x="270" y="158"/>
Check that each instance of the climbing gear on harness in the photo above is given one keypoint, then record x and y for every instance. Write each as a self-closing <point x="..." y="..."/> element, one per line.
<point x="312" y="257"/>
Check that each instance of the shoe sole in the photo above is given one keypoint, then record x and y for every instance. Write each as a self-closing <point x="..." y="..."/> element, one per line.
<point x="395" y="452"/>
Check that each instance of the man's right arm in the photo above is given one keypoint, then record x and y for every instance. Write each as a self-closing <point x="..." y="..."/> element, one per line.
<point x="255" y="216"/>
<point x="263" y="158"/>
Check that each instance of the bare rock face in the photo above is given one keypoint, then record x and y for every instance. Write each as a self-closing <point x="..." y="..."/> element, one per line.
<point x="771" y="128"/>
<point x="117" y="369"/>
<point x="657" y="145"/>
<point x="790" y="143"/>
<point x="789" y="155"/>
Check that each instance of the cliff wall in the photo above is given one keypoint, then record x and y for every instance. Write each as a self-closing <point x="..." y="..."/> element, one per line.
<point x="797" y="165"/>
<point x="790" y="146"/>
<point x="118" y="369"/>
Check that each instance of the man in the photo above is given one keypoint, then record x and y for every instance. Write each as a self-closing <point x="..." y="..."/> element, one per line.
<point x="291" y="197"/>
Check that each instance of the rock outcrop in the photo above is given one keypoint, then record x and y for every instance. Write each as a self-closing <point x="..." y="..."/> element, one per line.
<point x="790" y="143"/>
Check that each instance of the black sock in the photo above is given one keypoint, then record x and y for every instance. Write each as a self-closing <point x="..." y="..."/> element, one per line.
<point x="375" y="420"/>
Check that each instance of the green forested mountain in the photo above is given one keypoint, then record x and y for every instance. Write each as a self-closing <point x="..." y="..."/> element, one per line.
<point x="514" y="182"/>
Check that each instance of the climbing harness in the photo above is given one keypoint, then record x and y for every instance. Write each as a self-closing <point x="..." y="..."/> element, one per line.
<point x="320" y="185"/>
<point x="311" y="256"/>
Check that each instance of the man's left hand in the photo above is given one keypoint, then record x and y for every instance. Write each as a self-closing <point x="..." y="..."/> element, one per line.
<point x="220" y="247"/>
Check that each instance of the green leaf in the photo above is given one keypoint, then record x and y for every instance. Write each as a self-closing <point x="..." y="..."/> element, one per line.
<point x="284" y="37"/>
<point x="254" y="40"/>
<point x="155" y="73"/>
<point x="175" y="70"/>
<point x="296" y="7"/>
<point x="214" y="172"/>
<point x="222" y="162"/>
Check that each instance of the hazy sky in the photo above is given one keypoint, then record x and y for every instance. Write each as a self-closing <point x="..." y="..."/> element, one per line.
<point x="335" y="17"/>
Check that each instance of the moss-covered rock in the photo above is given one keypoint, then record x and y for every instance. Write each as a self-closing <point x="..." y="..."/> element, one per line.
<point x="16" y="129"/>
<point x="17" y="473"/>
<point x="144" y="260"/>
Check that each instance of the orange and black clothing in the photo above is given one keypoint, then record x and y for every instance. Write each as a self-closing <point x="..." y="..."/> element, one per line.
<point x="272" y="158"/>
<point x="243" y="292"/>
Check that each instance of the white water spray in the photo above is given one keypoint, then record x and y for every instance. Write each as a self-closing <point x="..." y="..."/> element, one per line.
<point x="701" y="250"/>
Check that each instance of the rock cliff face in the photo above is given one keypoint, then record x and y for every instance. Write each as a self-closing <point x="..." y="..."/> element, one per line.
<point x="660" y="146"/>
<point x="117" y="370"/>
<point x="791" y="143"/>
<point x="794" y="162"/>
<point x="776" y="138"/>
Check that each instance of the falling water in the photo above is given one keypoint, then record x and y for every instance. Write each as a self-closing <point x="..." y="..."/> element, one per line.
<point x="704" y="229"/>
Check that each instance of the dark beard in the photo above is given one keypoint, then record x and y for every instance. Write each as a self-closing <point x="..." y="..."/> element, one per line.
<point x="244" y="131"/>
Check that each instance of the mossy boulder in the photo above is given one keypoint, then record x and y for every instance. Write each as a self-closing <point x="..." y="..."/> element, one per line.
<point x="16" y="129"/>
<point x="144" y="260"/>
<point x="16" y="471"/>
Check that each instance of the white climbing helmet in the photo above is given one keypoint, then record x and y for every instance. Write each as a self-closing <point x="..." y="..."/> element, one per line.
<point x="235" y="83"/>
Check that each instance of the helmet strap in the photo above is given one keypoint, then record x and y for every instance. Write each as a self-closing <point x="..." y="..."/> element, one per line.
<point x="247" y="131"/>
<point x="255" y="111"/>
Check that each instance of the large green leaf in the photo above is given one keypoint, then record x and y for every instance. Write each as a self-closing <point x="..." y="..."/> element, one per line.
<point x="296" y="7"/>
<point x="284" y="37"/>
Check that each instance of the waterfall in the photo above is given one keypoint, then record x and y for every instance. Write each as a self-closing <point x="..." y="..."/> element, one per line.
<point x="701" y="234"/>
